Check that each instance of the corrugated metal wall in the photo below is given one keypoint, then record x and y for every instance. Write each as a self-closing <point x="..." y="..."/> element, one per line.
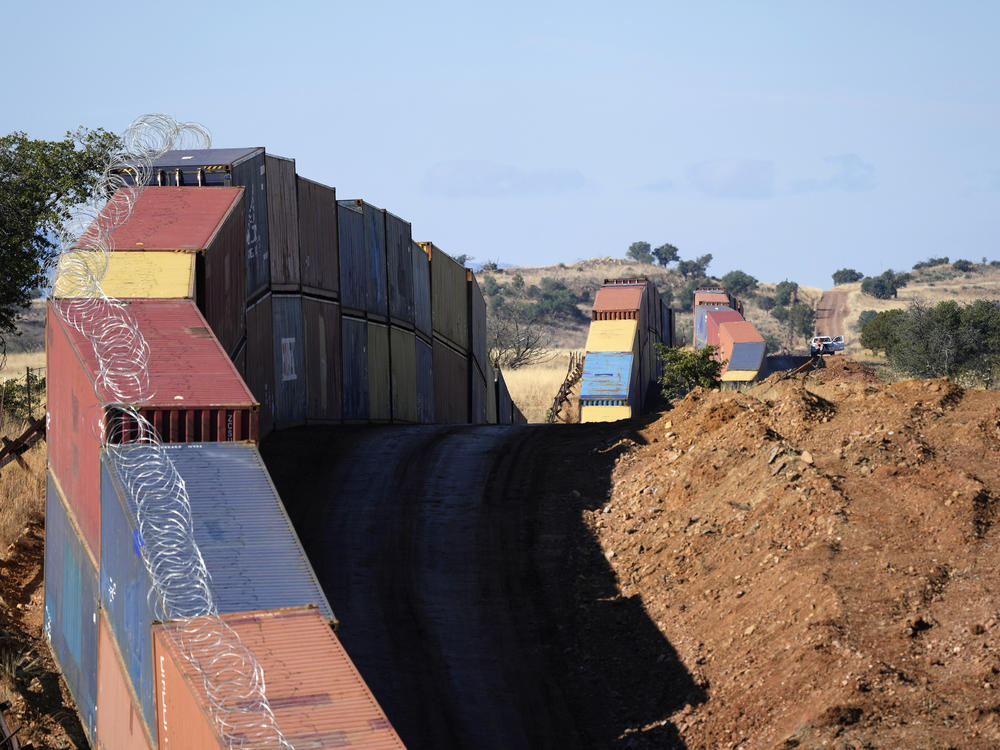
<point x="448" y="299"/>
<point x="319" y="260"/>
<point x="379" y="364"/>
<point x="282" y="223"/>
<point x="451" y="385"/>
<point x="477" y="394"/>
<point x="425" y="382"/>
<point x="403" y="360"/>
<point x="421" y="290"/>
<point x="492" y="415"/>
<point x="120" y="722"/>
<point x="223" y="299"/>
<point x="354" y="340"/>
<point x="353" y="258"/>
<point x="324" y="378"/>
<point x="260" y="360"/>
<point x="399" y="261"/>
<point x="477" y="321"/>
<point x="289" y="361"/>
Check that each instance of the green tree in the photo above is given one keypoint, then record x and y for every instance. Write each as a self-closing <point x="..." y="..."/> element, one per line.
<point x="885" y="285"/>
<point x="666" y="253"/>
<point x="693" y="268"/>
<point x="881" y="332"/>
<point x="962" y="265"/>
<point x="765" y="302"/>
<point x="785" y="292"/>
<point x="40" y="183"/>
<point x="739" y="283"/>
<point x="684" y="369"/>
<point x="640" y="251"/>
<point x="847" y="276"/>
<point x="865" y="317"/>
<point x="462" y="259"/>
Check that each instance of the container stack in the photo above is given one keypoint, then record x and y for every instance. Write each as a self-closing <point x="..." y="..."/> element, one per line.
<point x="719" y="322"/>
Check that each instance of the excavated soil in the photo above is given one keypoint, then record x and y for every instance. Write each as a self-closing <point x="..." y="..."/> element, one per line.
<point x="821" y="550"/>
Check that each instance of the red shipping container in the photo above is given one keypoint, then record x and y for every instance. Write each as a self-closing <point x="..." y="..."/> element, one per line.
<point x="119" y="718"/>
<point x="716" y="318"/>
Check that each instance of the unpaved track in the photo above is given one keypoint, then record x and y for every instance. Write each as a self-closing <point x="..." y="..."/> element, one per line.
<point x="830" y="314"/>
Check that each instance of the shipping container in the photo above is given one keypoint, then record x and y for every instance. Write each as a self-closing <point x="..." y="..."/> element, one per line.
<point x="260" y="360"/>
<point x="610" y="379"/>
<point x="492" y="409"/>
<point x="282" y="223"/>
<point x="701" y="323"/>
<point x="353" y="258"/>
<point x="319" y="259"/>
<point x="379" y="373"/>
<point x="324" y="378"/>
<point x="450" y="311"/>
<point x="744" y="347"/>
<point x="621" y="302"/>
<point x="243" y="167"/>
<point x="403" y="359"/>
<point x="667" y="325"/>
<point x="289" y="361"/>
<point x="120" y="722"/>
<point x="477" y="321"/>
<point x="194" y="393"/>
<point x="613" y="336"/>
<point x="477" y="394"/>
<point x="422" y="290"/>
<point x="207" y="223"/>
<point x="160" y="275"/>
<point x="250" y="549"/>
<point x="399" y="260"/>
<point x="716" y="318"/>
<point x="354" y="340"/>
<point x="70" y="623"/>
<point x="505" y="406"/>
<point x="451" y="384"/>
<point x="425" y="381"/>
<point x="373" y="262"/>
<point x="317" y="695"/>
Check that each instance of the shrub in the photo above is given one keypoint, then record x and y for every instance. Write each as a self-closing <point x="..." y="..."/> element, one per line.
<point x="684" y="370"/>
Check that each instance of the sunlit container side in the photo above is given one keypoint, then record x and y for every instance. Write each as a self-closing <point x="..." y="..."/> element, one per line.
<point x="425" y="382"/>
<point x="353" y="258"/>
<point x="318" y="698"/>
<point x="421" y="290"/>
<point x="450" y="311"/>
<point x="477" y="394"/>
<point x="373" y="265"/>
<point x="196" y="396"/>
<point x="160" y="275"/>
<point x="477" y="321"/>
<point x="354" y="348"/>
<point x="451" y="384"/>
<point x="492" y="413"/>
<point x="399" y="261"/>
<point x="282" y="223"/>
<point x="667" y="336"/>
<point x="746" y="350"/>
<point x="701" y="323"/>
<point x="207" y="223"/>
<point x="714" y="319"/>
<point x="232" y="167"/>
<point x="403" y="359"/>
<point x="324" y="378"/>
<point x="610" y="379"/>
<point x="379" y="373"/>
<point x="70" y="623"/>
<point x="260" y="360"/>
<point x="319" y="259"/>
<point x="613" y="336"/>
<point x="289" y="361"/>
<point x="621" y="302"/>
<point x="120" y="721"/>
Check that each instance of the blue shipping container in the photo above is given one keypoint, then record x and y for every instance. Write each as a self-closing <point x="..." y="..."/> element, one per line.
<point x="354" y="341"/>
<point x="701" y="323"/>
<point x="71" y="606"/>
<point x="747" y="355"/>
<point x="608" y="377"/>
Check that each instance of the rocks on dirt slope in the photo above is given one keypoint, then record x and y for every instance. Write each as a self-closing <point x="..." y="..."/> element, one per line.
<point x="822" y="552"/>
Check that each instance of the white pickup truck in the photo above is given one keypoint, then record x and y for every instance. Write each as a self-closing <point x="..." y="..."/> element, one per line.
<point x="826" y="344"/>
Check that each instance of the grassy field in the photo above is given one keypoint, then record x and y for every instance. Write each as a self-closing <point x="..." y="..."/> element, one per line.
<point x="533" y="388"/>
<point x="22" y="492"/>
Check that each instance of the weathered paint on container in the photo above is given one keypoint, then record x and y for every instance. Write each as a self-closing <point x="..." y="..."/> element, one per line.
<point x="324" y="378"/>
<point x="230" y="167"/>
<point x="451" y="384"/>
<point x="379" y="373"/>
<point x="604" y="413"/>
<point x="353" y="258"/>
<point x="282" y="223"/>
<point x="151" y="275"/>
<point x="477" y="320"/>
<point x="701" y="323"/>
<point x="70" y="623"/>
<point x="612" y="336"/>
<point x="317" y="695"/>
<point x="450" y="310"/>
<point x="743" y="345"/>
<point x="373" y="262"/>
<point x="492" y="413"/>
<point x="354" y="340"/>
<point x="319" y="259"/>
<point x="399" y="261"/>
<point x="713" y="297"/>
<point x="196" y="394"/>
<point x="425" y="381"/>
<point x="714" y="319"/>
<point x="609" y="378"/>
<point x="421" y="290"/>
<point x="260" y="360"/>
<point x="120" y="723"/>
<point x="477" y="394"/>
<point x="620" y="302"/>
<point x="289" y="361"/>
<point x="403" y="359"/>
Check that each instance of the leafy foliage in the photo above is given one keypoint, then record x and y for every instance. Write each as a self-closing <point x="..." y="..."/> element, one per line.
<point x="801" y="318"/>
<point x="885" y="285"/>
<point x="640" y="251"/>
<point x="695" y="268"/>
<point x="785" y="292"/>
<point x="931" y="262"/>
<point x="879" y="333"/>
<point x="739" y="283"/>
<point x="847" y="276"/>
<point x="462" y="259"/>
<point x="866" y="316"/>
<point x="963" y="265"/>
<point x="684" y="369"/>
<point x="666" y="253"/>
<point x="15" y="397"/>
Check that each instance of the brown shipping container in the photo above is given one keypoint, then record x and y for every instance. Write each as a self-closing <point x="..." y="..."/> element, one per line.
<point x="403" y="356"/>
<point x="477" y="320"/>
<point x="324" y="376"/>
<point x="621" y="302"/>
<point x="399" y="264"/>
<point x="319" y="259"/>
<point x="450" y="310"/>
<point x="451" y="385"/>
<point x="260" y="360"/>
<point x="318" y="697"/>
<point x="282" y="223"/>
<point x="120" y="723"/>
<point x="379" y="390"/>
<point x="421" y="290"/>
<point x="197" y="396"/>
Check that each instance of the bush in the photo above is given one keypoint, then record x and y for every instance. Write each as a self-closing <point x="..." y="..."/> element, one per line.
<point x="684" y="370"/>
<point x="847" y="276"/>
<point x="963" y="266"/>
<point x="930" y="263"/>
<point x="785" y="292"/>
<point x="739" y="283"/>
<point x="885" y="285"/>
<point x="865" y="317"/>
<point x="879" y="332"/>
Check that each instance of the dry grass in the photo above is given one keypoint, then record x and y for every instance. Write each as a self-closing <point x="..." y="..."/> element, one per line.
<point x="16" y="362"/>
<point x="22" y="493"/>
<point x="533" y="388"/>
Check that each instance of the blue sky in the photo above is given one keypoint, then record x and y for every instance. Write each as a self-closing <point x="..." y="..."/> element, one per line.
<point x="788" y="139"/>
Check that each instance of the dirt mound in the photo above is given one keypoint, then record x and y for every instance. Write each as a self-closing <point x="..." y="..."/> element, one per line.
<point x="822" y="551"/>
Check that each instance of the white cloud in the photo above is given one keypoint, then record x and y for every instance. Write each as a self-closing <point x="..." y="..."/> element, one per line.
<point x="850" y="173"/>
<point x="733" y="178"/>
<point x="461" y="179"/>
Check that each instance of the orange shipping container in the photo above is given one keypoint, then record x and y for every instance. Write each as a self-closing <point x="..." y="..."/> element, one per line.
<point x="318" y="697"/>
<point x="119" y="718"/>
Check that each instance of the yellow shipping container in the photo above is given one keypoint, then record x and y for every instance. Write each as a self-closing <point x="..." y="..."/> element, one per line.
<point x="150" y="275"/>
<point x="738" y="375"/>
<point x="605" y="413"/>
<point x="612" y="336"/>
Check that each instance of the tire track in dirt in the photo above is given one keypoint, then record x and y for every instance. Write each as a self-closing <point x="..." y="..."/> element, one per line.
<point x="831" y="313"/>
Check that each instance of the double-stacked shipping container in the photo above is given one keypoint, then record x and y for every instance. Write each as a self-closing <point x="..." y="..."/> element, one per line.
<point x="719" y="322"/>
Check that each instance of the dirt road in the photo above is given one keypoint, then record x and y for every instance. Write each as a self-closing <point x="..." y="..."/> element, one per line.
<point x="470" y="594"/>
<point x="830" y="314"/>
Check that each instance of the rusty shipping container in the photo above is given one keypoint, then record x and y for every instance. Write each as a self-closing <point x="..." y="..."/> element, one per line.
<point x="477" y="320"/>
<point x="379" y="373"/>
<point x="282" y="223"/>
<point x="317" y="695"/>
<point x="324" y="377"/>
<point x="421" y="290"/>
<point x="399" y="260"/>
<point x="425" y="381"/>
<point x="70" y="623"/>
<point x="196" y="395"/>
<point x="353" y="259"/>
<point x="260" y="360"/>
<point x="289" y="361"/>
<point x="319" y="260"/>
<point x="449" y="306"/>
<point x="120" y="723"/>
<point x="616" y="301"/>
<point x="371" y="265"/>
<point x="403" y="361"/>
<point x="354" y="362"/>
<point x="451" y="384"/>
<point x="209" y="224"/>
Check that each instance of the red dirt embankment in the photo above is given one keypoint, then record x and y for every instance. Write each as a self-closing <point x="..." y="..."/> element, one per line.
<point x="822" y="552"/>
